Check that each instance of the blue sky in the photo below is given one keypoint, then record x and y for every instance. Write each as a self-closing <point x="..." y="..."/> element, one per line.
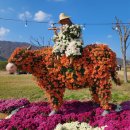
<point x="81" y="12"/>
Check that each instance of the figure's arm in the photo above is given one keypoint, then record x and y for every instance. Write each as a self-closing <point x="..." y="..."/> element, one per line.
<point x="55" y="30"/>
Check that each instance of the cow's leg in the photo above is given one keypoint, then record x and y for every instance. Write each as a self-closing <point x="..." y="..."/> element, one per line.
<point x="94" y="94"/>
<point x="53" y="112"/>
<point x="55" y="98"/>
<point x="104" y="94"/>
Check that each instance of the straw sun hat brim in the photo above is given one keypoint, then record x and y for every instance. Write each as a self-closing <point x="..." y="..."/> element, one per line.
<point x="64" y="18"/>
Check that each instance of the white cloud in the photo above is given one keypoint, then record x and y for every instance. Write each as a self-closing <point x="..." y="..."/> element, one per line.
<point x="3" y="31"/>
<point x="25" y="15"/>
<point x="41" y="16"/>
<point x="109" y="36"/>
<point x="7" y="10"/>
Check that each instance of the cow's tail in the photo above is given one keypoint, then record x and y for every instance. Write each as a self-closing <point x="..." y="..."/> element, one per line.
<point x="115" y="78"/>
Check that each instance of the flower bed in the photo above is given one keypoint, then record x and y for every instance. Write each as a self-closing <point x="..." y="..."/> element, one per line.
<point x="34" y="116"/>
<point x="11" y="104"/>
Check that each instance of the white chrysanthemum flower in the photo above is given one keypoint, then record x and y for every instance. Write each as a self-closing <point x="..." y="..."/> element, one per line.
<point x="72" y="126"/>
<point x="59" y="127"/>
<point x="56" y="48"/>
<point x="73" y="48"/>
<point x="60" y="35"/>
<point x="79" y="42"/>
<point x="63" y="36"/>
<point x="84" y="126"/>
<point x="77" y="126"/>
<point x="62" y="48"/>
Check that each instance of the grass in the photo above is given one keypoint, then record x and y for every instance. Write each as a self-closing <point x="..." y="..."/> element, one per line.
<point x="22" y="86"/>
<point x="19" y="86"/>
<point x="128" y="69"/>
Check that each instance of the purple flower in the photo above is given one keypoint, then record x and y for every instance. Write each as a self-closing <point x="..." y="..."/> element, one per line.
<point x="9" y="105"/>
<point x="126" y="105"/>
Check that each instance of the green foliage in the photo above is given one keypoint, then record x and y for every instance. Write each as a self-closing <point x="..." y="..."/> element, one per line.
<point x="119" y="97"/>
<point x="3" y="65"/>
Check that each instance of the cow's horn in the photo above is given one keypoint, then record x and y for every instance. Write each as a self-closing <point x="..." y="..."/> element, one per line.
<point x="29" y="47"/>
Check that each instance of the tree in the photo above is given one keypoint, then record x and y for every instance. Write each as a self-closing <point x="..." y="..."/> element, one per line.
<point x="40" y="42"/>
<point x="123" y="29"/>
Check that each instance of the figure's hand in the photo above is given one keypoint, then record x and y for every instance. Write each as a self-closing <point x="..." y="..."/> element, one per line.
<point x="54" y="29"/>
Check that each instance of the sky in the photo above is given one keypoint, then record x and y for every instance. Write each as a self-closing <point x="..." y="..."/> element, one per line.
<point x="82" y="12"/>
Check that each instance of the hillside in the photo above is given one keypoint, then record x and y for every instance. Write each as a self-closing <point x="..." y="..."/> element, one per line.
<point x="7" y="47"/>
<point x="2" y="58"/>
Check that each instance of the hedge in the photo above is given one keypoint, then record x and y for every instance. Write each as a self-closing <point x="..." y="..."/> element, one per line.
<point x="3" y="65"/>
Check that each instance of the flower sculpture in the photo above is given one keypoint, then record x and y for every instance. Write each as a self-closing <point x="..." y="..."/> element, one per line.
<point x="94" y="69"/>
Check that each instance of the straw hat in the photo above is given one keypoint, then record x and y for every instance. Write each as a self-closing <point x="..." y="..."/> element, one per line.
<point x="63" y="16"/>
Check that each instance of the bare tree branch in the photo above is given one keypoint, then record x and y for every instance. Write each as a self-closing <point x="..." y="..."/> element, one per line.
<point x="37" y="41"/>
<point x="127" y="45"/>
<point x="42" y="40"/>
<point x="32" y="42"/>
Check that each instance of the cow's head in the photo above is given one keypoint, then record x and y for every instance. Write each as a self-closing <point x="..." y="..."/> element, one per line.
<point x="16" y="58"/>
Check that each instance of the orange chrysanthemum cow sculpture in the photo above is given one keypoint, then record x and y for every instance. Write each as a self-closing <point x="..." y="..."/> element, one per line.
<point x="93" y="69"/>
